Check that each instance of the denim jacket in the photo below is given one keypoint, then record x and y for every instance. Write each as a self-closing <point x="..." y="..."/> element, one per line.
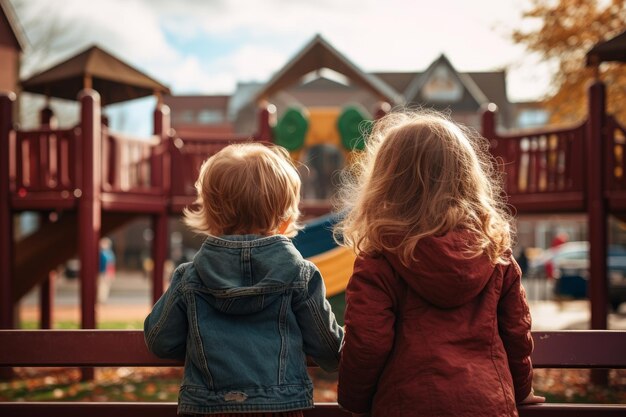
<point x="243" y="315"/>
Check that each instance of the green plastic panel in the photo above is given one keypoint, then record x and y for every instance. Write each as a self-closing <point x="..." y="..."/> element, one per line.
<point x="290" y="131"/>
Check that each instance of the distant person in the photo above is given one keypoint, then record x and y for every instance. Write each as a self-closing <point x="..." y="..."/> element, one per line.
<point x="559" y="239"/>
<point x="107" y="269"/>
<point x="436" y="321"/>
<point x="522" y="261"/>
<point x="248" y="309"/>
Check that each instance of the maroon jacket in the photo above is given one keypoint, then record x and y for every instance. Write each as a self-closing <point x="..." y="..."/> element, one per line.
<point x="449" y="336"/>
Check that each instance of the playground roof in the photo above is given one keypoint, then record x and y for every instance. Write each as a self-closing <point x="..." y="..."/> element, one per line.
<point x="613" y="49"/>
<point x="112" y="78"/>
<point x="320" y="54"/>
<point x="14" y="26"/>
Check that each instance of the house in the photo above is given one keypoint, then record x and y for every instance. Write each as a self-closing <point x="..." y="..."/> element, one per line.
<point x="319" y="76"/>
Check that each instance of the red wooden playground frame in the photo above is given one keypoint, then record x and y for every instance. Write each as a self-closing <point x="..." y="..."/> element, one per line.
<point x="97" y="180"/>
<point x="93" y="181"/>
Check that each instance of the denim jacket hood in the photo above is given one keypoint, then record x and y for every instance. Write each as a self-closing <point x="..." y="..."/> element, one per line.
<point x="245" y="282"/>
<point x="243" y="315"/>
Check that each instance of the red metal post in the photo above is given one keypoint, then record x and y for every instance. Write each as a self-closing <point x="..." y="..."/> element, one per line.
<point x="46" y="301"/>
<point x="159" y="220"/>
<point x="382" y="108"/>
<point x="159" y="253"/>
<point x="6" y="217"/>
<point x="267" y="114"/>
<point x="596" y="206"/>
<point x="89" y="205"/>
<point x="489" y="121"/>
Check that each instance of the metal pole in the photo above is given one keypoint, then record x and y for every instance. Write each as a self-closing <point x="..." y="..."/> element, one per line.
<point x="596" y="206"/>
<point x="89" y="204"/>
<point x="6" y="216"/>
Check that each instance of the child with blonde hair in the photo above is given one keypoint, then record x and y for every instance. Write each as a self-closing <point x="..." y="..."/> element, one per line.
<point x="247" y="310"/>
<point x="436" y="321"/>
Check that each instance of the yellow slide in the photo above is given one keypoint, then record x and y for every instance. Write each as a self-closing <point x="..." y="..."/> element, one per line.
<point x="336" y="268"/>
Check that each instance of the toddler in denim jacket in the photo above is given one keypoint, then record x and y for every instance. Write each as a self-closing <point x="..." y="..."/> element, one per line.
<point x="247" y="310"/>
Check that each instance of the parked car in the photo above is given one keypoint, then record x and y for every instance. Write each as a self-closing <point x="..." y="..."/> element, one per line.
<point x="568" y="265"/>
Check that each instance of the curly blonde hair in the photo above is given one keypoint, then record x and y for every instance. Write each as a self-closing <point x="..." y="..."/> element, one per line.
<point x="422" y="175"/>
<point x="246" y="188"/>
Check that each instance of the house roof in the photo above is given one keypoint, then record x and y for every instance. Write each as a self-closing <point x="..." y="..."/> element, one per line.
<point x="15" y="28"/>
<point x="319" y="54"/>
<point x="487" y="85"/>
<point x="115" y="80"/>
<point x="613" y="49"/>
<point x="415" y="87"/>
<point x="197" y="102"/>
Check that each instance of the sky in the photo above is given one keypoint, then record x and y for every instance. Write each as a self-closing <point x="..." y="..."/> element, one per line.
<point x="207" y="46"/>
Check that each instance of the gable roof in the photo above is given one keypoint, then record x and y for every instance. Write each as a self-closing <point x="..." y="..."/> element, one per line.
<point x="415" y="87"/>
<point x="14" y="26"/>
<point x="114" y="79"/>
<point x="319" y="54"/>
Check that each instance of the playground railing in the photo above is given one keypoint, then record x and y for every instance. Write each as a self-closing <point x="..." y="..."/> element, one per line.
<point x="541" y="166"/>
<point x="22" y="348"/>
<point x="615" y="169"/>
<point x="41" y="165"/>
<point x="128" y="163"/>
<point x="186" y="156"/>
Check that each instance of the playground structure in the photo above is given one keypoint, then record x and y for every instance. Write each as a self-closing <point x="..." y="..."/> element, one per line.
<point x="86" y="180"/>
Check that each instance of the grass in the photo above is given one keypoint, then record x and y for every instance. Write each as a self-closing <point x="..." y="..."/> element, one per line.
<point x="68" y="325"/>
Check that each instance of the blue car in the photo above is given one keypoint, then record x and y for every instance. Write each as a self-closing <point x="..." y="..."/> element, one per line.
<point x="568" y="265"/>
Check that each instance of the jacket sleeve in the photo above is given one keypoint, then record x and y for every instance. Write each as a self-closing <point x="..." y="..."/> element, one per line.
<point x="321" y="334"/>
<point x="514" y="324"/>
<point x="369" y="326"/>
<point x="165" y="328"/>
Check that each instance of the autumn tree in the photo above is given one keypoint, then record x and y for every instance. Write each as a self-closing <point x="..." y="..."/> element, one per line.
<point x="566" y="30"/>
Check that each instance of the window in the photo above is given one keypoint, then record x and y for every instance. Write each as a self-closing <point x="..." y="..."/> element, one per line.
<point x="207" y="117"/>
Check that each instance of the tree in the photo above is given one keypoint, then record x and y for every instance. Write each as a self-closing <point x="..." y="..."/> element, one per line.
<point x="567" y="30"/>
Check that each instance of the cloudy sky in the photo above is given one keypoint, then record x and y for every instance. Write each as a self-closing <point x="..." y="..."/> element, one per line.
<point x="206" y="46"/>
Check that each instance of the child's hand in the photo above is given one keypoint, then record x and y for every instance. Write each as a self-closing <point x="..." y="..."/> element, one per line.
<point x="533" y="399"/>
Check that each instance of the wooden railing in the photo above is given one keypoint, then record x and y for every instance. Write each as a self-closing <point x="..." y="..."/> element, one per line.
<point x="127" y="163"/>
<point x="615" y="169"/>
<point x="558" y="349"/>
<point x="43" y="162"/>
<point x="187" y="156"/>
<point x="544" y="170"/>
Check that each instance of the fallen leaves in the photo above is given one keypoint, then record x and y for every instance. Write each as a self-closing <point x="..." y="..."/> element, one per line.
<point x="162" y="384"/>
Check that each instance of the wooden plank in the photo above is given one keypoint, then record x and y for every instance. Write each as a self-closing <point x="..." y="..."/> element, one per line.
<point x="572" y="410"/>
<point x="547" y="202"/>
<point x="580" y="349"/>
<point x="556" y="349"/>
<point x="120" y="409"/>
<point x="77" y="348"/>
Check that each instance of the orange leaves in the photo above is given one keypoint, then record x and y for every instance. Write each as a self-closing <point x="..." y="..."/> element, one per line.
<point x="563" y="31"/>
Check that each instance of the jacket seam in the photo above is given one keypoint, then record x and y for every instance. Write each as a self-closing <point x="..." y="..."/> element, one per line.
<point x="320" y="324"/>
<point x="199" y="345"/>
<point x="166" y="311"/>
<point x="494" y="332"/>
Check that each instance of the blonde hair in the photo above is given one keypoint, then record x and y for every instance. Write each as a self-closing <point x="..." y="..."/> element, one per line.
<point x="422" y="175"/>
<point x="246" y="189"/>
